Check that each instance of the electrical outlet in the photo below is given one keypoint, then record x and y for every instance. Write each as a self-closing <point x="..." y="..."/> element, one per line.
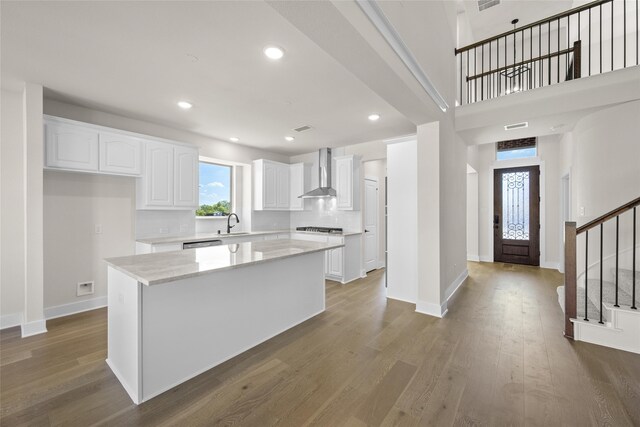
<point x="581" y="210"/>
<point x="98" y="229"/>
<point x="84" y="288"/>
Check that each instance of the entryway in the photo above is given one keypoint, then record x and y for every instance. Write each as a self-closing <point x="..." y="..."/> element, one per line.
<point x="516" y="220"/>
<point x="370" y="224"/>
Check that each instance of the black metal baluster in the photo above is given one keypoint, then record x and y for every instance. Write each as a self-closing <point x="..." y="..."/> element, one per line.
<point x="540" y="54"/>
<point x="514" y="63"/>
<point x="460" y="78"/>
<point x="633" y="269"/>
<point x="475" y="73"/>
<point x="506" y="41"/>
<point x="549" y="50"/>
<point x="468" y="90"/>
<point x="521" y="58"/>
<point x="482" y="71"/>
<point x="499" y="80"/>
<point x="617" y="250"/>
<point x="600" y="33"/>
<point x="558" y="57"/>
<point x="567" y="76"/>
<point x="590" y="41"/>
<point x="601" y="235"/>
<point x="586" y="272"/>
<point x="530" y="57"/>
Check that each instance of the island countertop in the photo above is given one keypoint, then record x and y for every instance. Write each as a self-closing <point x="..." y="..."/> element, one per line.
<point x="157" y="268"/>
<point x="198" y="237"/>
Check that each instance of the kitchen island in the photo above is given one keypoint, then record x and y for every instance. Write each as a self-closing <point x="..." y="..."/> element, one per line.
<point x="174" y="315"/>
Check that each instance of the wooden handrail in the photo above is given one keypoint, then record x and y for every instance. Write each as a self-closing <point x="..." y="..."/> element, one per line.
<point x="534" y="24"/>
<point x="608" y="216"/>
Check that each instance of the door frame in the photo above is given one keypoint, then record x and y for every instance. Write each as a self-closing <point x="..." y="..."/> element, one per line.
<point x="377" y="258"/>
<point x="565" y="213"/>
<point x="515" y="163"/>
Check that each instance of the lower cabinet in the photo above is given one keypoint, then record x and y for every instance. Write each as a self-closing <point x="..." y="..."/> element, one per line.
<point x="333" y="263"/>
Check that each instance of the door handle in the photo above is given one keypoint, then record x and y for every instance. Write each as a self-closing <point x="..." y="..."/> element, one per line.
<point x="366" y="231"/>
<point x="496" y="220"/>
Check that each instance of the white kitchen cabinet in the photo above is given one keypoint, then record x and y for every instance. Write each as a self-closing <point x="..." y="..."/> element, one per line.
<point x="334" y="263"/>
<point x="120" y="154"/>
<point x="299" y="182"/>
<point x="170" y="178"/>
<point x="69" y="146"/>
<point x="347" y="182"/>
<point x="186" y="177"/>
<point x="271" y="187"/>
<point x="155" y="187"/>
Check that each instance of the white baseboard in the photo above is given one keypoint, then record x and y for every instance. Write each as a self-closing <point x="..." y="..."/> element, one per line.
<point x="431" y="309"/>
<point x="486" y="258"/>
<point x="381" y="264"/>
<point x="400" y="299"/>
<point x="473" y="257"/>
<point x="10" y="320"/>
<point x="74" y="307"/>
<point x="34" y="328"/>
<point x="455" y="285"/>
<point x="133" y="394"/>
<point x="550" y="265"/>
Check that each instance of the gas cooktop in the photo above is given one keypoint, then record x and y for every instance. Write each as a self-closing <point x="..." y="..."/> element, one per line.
<point x="328" y="230"/>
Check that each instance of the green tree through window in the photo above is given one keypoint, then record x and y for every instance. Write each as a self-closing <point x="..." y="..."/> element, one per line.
<point x="215" y="190"/>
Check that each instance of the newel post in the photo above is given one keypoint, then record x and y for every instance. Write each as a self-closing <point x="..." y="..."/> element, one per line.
<point x="569" y="277"/>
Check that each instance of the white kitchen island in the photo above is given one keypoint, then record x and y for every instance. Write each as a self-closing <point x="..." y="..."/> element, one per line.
<point x="174" y="315"/>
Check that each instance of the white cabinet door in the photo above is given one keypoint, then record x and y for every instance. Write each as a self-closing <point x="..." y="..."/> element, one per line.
<point x="270" y="186"/>
<point x="186" y="177"/>
<point x="282" y="193"/>
<point x="120" y="154"/>
<point x="335" y="264"/>
<point x="71" y="147"/>
<point x="296" y="186"/>
<point x="158" y="174"/>
<point x="344" y="182"/>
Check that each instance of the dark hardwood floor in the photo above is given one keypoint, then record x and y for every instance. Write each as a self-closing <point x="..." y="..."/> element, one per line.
<point x="497" y="358"/>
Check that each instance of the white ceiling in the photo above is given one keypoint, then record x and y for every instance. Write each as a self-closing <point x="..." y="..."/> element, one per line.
<point x="497" y="19"/>
<point x="139" y="58"/>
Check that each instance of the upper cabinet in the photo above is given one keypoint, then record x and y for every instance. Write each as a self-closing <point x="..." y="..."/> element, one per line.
<point x="71" y="147"/>
<point x="276" y="186"/>
<point x="80" y="147"/>
<point x="347" y="182"/>
<point x="299" y="183"/>
<point x="170" y="178"/>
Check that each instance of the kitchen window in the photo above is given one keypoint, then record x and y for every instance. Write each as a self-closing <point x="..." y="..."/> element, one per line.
<point x="215" y="190"/>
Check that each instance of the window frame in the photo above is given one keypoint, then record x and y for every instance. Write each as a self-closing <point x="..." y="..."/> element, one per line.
<point x="535" y="154"/>
<point x="232" y="174"/>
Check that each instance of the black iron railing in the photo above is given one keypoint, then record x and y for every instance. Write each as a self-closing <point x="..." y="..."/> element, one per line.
<point x="563" y="47"/>
<point x="571" y="284"/>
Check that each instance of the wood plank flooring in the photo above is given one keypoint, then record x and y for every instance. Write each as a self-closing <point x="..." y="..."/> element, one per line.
<point x="497" y="358"/>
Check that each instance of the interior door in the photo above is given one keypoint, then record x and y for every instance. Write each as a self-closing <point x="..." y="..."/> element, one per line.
<point x="370" y="224"/>
<point x="516" y="220"/>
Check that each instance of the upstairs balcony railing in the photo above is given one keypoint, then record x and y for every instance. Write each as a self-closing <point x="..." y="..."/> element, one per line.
<point x="597" y="37"/>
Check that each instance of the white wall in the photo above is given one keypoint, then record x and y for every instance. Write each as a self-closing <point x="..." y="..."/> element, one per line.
<point x="472" y="215"/>
<point x="75" y="204"/>
<point x="549" y="154"/>
<point x="12" y="221"/>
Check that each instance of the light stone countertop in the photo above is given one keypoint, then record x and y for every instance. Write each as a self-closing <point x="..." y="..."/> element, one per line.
<point x="215" y="236"/>
<point x="157" y="268"/>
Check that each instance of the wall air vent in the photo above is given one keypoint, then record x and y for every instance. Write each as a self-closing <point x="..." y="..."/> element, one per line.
<point x="486" y="4"/>
<point x="517" y="126"/>
<point x="302" y="128"/>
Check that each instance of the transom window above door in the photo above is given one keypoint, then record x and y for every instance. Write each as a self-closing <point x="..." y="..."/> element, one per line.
<point x="516" y="149"/>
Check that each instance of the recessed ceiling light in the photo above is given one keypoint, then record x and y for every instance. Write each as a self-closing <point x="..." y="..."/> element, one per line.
<point x="289" y="138"/>
<point x="185" y="105"/>
<point x="273" y="52"/>
<point x="234" y="139"/>
<point x="374" y="117"/>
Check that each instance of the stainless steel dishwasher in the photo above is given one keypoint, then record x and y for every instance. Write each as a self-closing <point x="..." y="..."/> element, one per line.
<point x="201" y="244"/>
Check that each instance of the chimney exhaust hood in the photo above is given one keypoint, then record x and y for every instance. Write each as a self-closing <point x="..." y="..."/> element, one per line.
<point x="324" y="177"/>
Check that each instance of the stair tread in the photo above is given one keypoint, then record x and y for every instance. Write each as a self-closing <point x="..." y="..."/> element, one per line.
<point x="609" y="293"/>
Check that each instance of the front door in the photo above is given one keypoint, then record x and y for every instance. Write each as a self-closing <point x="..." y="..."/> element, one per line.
<point x="516" y="215"/>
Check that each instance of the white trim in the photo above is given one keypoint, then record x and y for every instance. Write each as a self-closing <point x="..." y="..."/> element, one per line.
<point x="401" y="299"/>
<point x="399" y="139"/>
<point x="550" y="265"/>
<point x="473" y="257"/>
<point x="10" y="320"/>
<point x="364" y="210"/>
<point x="74" y="307"/>
<point x="381" y="264"/>
<point x="486" y="258"/>
<point x="455" y="285"/>
<point x="431" y="309"/>
<point x="34" y="328"/>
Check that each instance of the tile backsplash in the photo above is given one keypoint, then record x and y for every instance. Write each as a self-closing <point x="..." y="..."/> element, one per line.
<point x="164" y="223"/>
<point x="323" y="213"/>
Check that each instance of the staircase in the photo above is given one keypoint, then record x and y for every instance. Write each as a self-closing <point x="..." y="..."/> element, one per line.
<point x="596" y="309"/>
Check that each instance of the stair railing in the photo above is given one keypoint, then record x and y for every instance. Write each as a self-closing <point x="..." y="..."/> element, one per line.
<point x="571" y="232"/>
<point x="562" y="47"/>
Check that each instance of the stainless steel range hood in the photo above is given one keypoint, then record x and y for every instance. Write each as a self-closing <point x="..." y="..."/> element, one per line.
<point x="324" y="177"/>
